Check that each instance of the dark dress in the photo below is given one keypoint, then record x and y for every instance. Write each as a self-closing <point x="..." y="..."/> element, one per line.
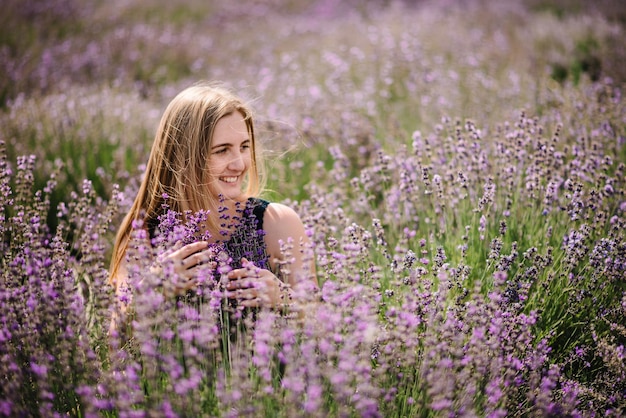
<point x="248" y="240"/>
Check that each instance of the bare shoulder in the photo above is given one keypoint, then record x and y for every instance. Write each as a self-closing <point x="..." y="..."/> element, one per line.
<point x="280" y="220"/>
<point x="283" y="224"/>
<point x="278" y="210"/>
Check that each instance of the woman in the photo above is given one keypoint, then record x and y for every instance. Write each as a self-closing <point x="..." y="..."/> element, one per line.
<point x="204" y="158"/>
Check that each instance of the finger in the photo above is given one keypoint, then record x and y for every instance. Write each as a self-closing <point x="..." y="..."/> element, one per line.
<point x="192" y="248"/>
<point x="178" y="256"/>
<point x="202" y="266"/>
<point x="243" y="294"/>
<point x="239" y="284"/>
<point x="252" y="303"/>
<point x="255" y="300"/>
<point x="169" y="251"/>
<point x="191" y="254"/>
<point x="192" y="261"/>
<point x="209" y="253"/>
<point x="183" y="253"/>
<point x="244" y="272"/>
<point x="249" y="265"/>
<point x="183" y="275"/>
<point x="237" y="274"/>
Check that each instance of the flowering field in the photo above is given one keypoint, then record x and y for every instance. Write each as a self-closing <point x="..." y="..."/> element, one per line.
<point x="459" y="165"/>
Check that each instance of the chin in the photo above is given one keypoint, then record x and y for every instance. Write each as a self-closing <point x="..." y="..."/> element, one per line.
<point x="231" y="194"/>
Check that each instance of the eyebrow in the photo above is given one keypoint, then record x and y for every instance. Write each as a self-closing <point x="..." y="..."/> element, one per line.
<point x="228" y="145"/>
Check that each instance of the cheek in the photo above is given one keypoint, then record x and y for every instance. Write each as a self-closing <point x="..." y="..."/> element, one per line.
<point x="248" y="158"/>
<point x="215" y="166"/>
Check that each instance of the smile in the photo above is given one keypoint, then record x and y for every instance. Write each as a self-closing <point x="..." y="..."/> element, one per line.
<point x="229" y="179"/>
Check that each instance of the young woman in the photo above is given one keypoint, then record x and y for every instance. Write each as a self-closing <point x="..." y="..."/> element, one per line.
<point x="204" y="158"/>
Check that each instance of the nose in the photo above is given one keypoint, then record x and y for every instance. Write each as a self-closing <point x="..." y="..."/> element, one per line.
<point x="237" y="163"/>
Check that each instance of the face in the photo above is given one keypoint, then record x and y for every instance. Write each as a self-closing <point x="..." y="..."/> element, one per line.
<point x="230" y="156"/>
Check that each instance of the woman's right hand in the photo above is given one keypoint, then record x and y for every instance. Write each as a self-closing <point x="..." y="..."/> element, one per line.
<point x="184" y="262"/>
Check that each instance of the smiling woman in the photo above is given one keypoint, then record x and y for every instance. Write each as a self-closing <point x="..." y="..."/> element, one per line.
<point x="204" y="160"/>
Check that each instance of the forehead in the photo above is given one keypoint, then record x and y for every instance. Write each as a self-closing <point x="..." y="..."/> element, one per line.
<point x="231" y="127"/>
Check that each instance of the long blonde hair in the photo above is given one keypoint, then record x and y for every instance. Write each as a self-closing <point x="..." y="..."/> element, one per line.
<point x="177" y="166"/>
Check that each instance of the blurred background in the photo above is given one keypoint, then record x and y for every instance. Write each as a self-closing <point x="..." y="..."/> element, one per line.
<point x="83" y="82"/>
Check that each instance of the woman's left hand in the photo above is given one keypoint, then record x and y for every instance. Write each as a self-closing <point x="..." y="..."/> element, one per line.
<point x="254" y="287"/>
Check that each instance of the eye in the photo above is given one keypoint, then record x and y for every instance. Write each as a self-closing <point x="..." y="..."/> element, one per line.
<point x="220" y="151"/>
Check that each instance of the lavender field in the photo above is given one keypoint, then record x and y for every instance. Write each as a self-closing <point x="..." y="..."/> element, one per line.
<point x="459" y="166"/>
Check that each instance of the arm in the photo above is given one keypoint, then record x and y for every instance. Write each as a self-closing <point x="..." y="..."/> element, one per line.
<point x="282" y="224"/>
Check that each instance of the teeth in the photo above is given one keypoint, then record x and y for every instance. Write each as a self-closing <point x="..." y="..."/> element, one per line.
<point x="229" y="179"/>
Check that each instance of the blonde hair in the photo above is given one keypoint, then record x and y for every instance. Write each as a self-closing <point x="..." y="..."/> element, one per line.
<point x="177" y="166"/>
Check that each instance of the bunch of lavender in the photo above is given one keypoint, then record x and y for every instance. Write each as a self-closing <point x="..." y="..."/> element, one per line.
<point x="53" y="296"/>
